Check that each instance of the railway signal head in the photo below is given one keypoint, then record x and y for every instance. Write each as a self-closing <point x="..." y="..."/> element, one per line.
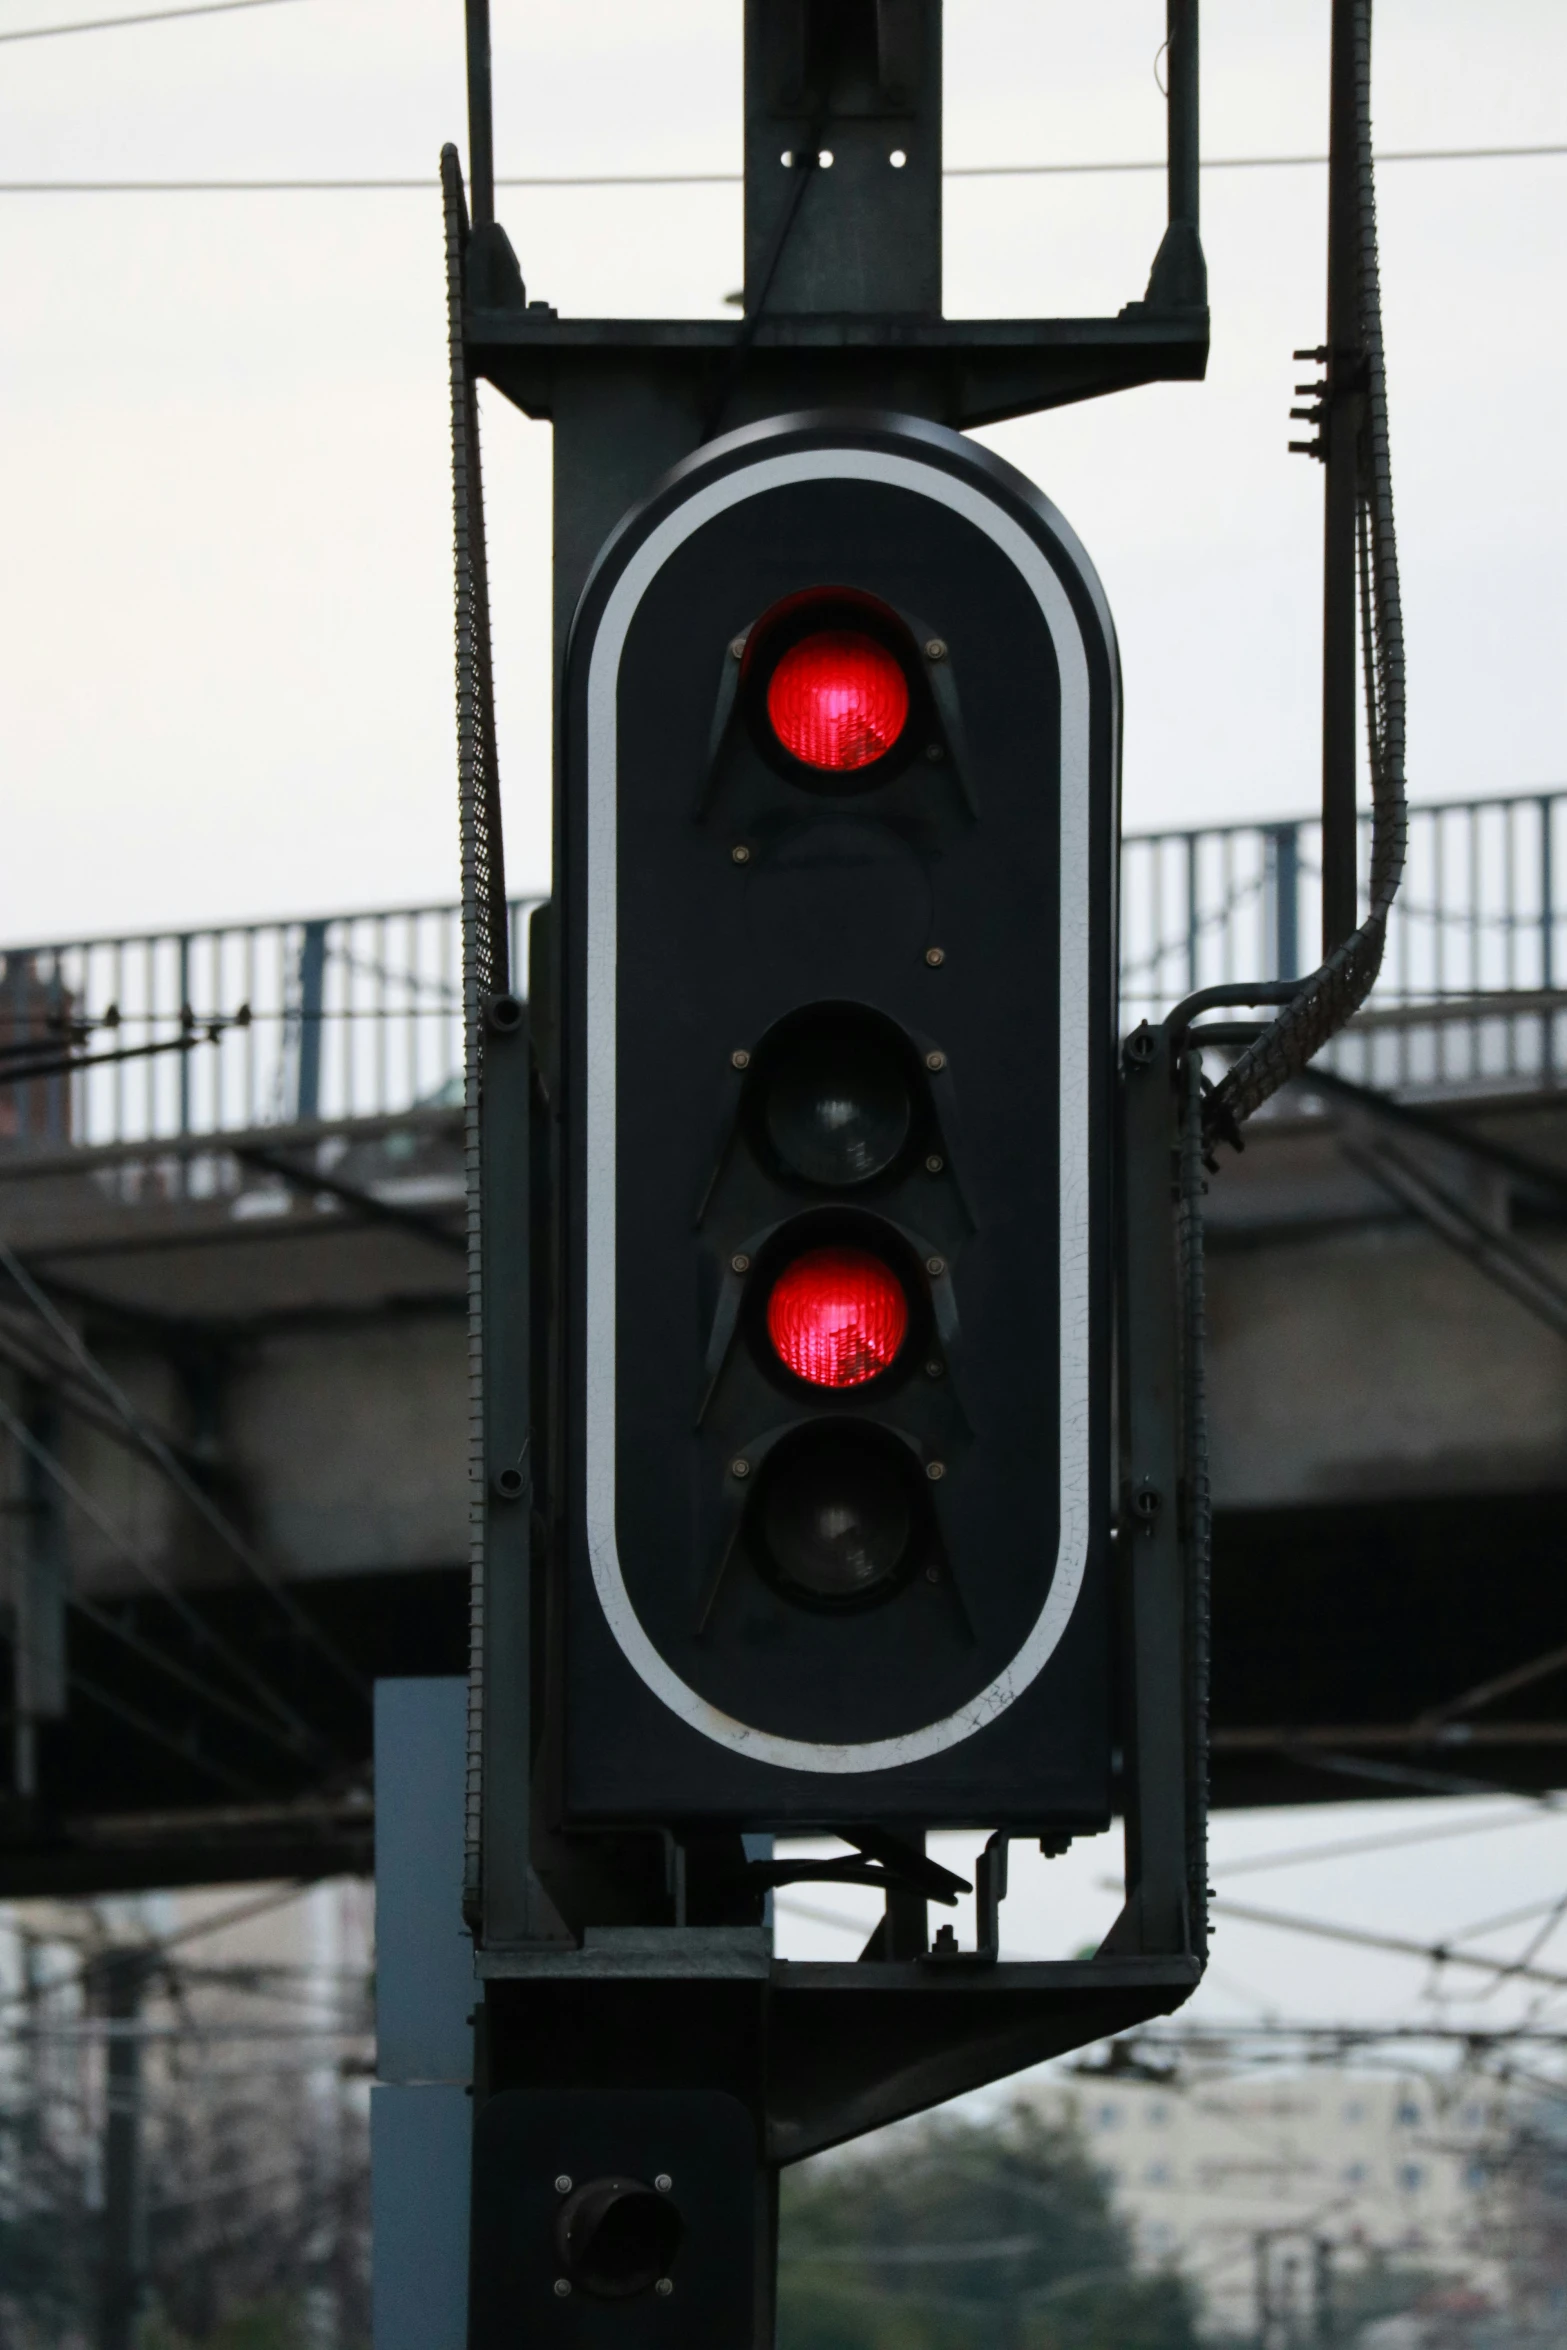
<point x="840" y="727"/>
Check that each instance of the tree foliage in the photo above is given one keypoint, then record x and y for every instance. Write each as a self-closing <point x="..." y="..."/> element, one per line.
<point x="964" y="2233"/>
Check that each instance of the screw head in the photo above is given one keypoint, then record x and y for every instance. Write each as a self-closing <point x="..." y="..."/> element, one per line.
<point x="933" y="1369"/>
<point x="737" y="648"/>
<point x="935" y="1163"/>
<point x="739" y="1466"/>
<point x="663" y="2182"/>
<point x="935" y="957"/>
<point x="935" y="1060"/>
<point x="562" y="2287"/>
<point x="935" y="1267"/>
<point x="563" y="2183"/>
<point x="740" y="854"/>
<point x="934" y="753"/>
<point x="933" y="1574"/>
<point x="935" y="1471"/>
<point x="664" y="2287"/>
<point x="936" y="648"/>
<point x="740" y="1262"/>
<point x="740" y="1060"/>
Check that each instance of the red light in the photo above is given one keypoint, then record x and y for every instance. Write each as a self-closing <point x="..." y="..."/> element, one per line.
<point x="838" y="700"/>
<point x="837" y="1316"/>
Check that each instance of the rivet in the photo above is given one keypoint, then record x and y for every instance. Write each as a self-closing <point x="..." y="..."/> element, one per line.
<point x="663" y="2182"/>
<point x="562" y="2287"/>
<point x="933" y="1369"/>
<point x="936" y="649"/>
<point x="563" y="2184"/>
<point x="739" y="1466"/>
<point x="740" y="854"/>
<point x="934" y="1164"/>
<point x="935" y="1060"/>
<point x="935" y="957"/>
<point x="740" y="1262"/>
<point x="740" y="1059"/>
<point x="935" y="1471"/>
<point x="665" y="2286"/>
<point x="935" y="1267"/>
<point x="737" y="648"/>
<point x="897" y="159"/>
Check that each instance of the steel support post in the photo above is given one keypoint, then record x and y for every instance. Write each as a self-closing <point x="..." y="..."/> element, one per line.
<point x="1343" y="419"/>
<point x="122" y="1978"/>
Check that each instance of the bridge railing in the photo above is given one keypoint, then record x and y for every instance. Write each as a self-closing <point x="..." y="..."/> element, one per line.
<point x="214" y="1031"/>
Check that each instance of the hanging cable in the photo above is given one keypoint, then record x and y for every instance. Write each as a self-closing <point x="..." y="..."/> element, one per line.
<point x="180" y="1478"/>
<point x="1340" y="987"/>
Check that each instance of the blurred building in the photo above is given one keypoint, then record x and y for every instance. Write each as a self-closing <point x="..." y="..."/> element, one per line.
<point x="1285" y="2196"/>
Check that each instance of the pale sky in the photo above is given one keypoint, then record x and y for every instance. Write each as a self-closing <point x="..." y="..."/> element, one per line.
<point x="224" y="469"/>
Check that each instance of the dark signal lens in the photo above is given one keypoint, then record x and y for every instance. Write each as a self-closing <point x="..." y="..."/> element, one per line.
<point x="836" y="1520"/>
<point x="837" y="1316"/>
<point x="838" y="700"/>
<point x="836" y="1106"/>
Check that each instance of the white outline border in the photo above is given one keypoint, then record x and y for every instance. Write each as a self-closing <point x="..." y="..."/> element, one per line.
<point x="1028" y="558"/>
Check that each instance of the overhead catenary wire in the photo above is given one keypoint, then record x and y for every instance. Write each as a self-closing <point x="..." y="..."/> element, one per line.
<point x="402" y="183"/>
<point x="180" y="1478"/>
<point x="115" y="24"/>
<point x="194" y="1622"/>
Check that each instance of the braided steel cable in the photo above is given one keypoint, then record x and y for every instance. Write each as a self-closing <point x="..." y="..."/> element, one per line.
<point x="485" y="945"/>
<point x="1341" y="986"/>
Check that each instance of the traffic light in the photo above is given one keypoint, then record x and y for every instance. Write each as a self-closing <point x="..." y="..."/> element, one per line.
<point x="839" y="758"/>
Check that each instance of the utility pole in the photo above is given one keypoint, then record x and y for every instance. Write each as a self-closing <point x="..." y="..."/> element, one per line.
<point x="120" y="1979"/>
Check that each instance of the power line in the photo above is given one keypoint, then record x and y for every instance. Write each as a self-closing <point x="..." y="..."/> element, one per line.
<point x="424" y="182"/>
<point x="113" y="24"/>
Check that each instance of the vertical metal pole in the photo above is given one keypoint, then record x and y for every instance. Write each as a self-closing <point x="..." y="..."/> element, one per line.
<point x="1547" y="934"/>
<point x="312" y="1003"/>
<point x="183" y="944"/>
<point x="1179" y="279"/>
<point x="481" y="117"/>
<point x="1284" y="891"/>
<point x="1343" y="415"/>
<point x="1184" y="174"/>
<point x="123" y="1975"/>
<point x="39" y="1668"/>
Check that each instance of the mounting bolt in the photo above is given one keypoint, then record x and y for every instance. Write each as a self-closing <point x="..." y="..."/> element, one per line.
<point x="740" y="1060"/>
<point x="737" y="648"/>
<point x="562" y="2183"/>
<point x="739" y="1466"/>
<point x="935" y="1163"/>
<point x="935" y="1267"/>
<point x="562" y="2287"/>
<point x="663" y="2182"/>
<point x="740" y="854"/>
<point x="935" y="1060"/>
<point x="935" y="1471"/>
<point x="935" y="957"/>
<point x="740" y="1262"/>
<point x="664" y="2287"/>
<point x="936" y="648"/>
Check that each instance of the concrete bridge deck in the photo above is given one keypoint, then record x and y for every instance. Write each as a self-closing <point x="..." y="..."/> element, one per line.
<point x="233" y="1439"/>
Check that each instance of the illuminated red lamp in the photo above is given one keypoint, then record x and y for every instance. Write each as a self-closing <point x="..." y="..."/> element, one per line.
<point x="837" y="1316"/>
<point x="838" y="700"/>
